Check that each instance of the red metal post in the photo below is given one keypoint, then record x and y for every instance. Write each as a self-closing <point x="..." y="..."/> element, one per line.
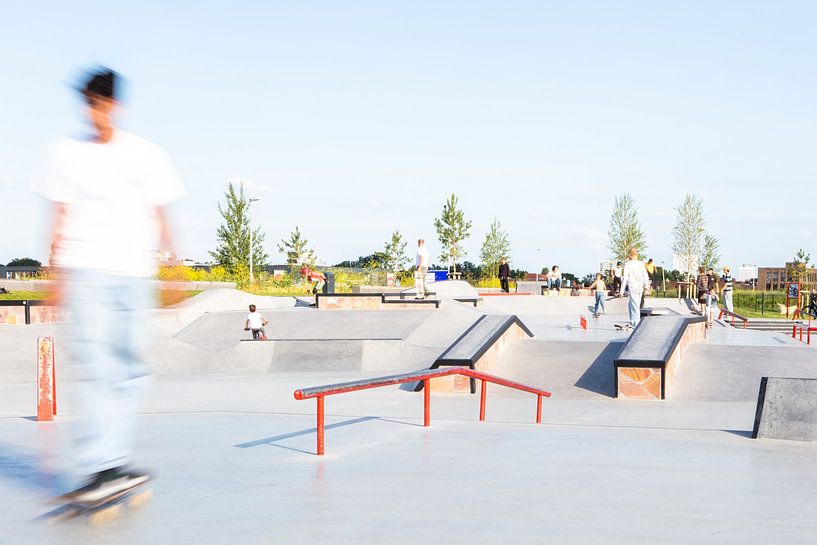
<point x="320" y="425"/>
<point x="794" y="332"/>
<point x="426" y="402"/>
<point x="538" y="409"/>
<point x="482" y="395"/>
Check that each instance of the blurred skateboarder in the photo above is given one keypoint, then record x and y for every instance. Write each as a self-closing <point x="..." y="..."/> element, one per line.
<point x="421" y="268"/>
<point x="110" y="190"/>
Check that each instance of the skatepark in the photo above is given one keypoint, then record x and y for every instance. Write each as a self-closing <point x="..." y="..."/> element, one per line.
<point x="235" y="451"/>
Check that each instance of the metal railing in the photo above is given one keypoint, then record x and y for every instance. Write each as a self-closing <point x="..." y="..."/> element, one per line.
<point x="733" y="315"/>
<point x="801" y="327"/>
<point x="425" y="375"/>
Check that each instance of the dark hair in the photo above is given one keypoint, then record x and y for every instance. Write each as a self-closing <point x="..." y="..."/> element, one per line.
<point x="252" y="308"/>
<point x="102" y="82"/>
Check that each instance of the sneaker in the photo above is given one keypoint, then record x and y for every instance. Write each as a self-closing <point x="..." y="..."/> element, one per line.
<point x="107" y="483"/>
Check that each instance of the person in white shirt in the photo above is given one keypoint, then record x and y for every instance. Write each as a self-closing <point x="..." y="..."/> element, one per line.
<point x="421" y="268"/>
<point x="634" y="279"/>
<point x="255" y="323"/>
<point x="109" y="191"/>
<point x="617" y="271"/>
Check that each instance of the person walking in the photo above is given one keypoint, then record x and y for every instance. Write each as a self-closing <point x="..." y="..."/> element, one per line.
<point x="702" y="285"/>
<point x="110" y="191"/>
<point x="726" y="280"/>
<point x="635" y="280"/>
<point x="711" y="296"/>
<point x="600" y="291"/>
<point x="504" y="275"/>
<point x="421" y="268"/>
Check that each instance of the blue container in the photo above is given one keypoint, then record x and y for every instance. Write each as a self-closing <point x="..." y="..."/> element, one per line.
<point x="439" y="276"/>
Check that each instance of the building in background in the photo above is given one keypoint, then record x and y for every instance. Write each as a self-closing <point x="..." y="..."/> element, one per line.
<point x="746" y="273"/>
<point x="606" y="266"/>
<point x="775" y="278"/>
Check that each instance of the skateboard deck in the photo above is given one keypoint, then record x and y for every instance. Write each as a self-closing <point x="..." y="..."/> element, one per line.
<point x="622" y="327"/>
<point x="105" y="510"/>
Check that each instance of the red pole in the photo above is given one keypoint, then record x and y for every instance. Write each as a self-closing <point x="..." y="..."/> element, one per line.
<point x="426" y="402"/>
<point x="320" y="425"/>
<point x="794" y="332"/>
<point x="538" y="409"/>
<point x="483" y="393"/>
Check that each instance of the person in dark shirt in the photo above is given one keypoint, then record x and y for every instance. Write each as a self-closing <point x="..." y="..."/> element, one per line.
<point x="504" y="274"/>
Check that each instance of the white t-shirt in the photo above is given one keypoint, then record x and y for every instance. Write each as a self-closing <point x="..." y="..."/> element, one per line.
<point x="256" y="320"/>
<point x="635" y="276"/>
<point x="111" y="192"/>
<point x="422" y="257"/>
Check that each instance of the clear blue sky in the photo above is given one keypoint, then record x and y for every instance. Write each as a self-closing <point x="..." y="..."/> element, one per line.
<point x="354" y="119"/>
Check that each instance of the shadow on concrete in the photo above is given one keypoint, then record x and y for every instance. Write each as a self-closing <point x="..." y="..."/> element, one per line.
<point x="304" y="303"/>
<point x="26" y="469"/>
<point x="274" y="439"/>
<point x="741" y="433"/>
<point x="599" y="377"/>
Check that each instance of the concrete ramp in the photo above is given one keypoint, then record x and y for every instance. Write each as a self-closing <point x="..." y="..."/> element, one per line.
<point x="786" y="409"/>
<point x="653" y="353"/>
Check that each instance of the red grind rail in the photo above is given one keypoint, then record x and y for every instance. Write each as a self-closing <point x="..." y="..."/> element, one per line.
<point x="320" y="392"/>
<point x="732" y="314"/>
<point x="809" y="328"/>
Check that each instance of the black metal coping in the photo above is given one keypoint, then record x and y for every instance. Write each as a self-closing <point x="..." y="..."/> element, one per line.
<point x="323" y="340"/>
<point x="660" y="362"/>
<point x="383" y="298"/>
<point x="484" y="347"/>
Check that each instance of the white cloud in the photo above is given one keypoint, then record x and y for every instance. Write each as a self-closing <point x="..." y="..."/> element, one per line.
<point x="373" y="201"/>
<point x="532" y="214"/>
<point x="6" y="180"/>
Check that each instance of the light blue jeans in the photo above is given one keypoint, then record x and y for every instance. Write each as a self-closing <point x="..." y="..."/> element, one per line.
<point x="107" y="337"/>
<point x="634" y="307"/>
<point x="727" y="300"/>
<point x="599" y="302"/>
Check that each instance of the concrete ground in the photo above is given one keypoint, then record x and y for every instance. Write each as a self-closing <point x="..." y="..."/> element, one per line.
<point x="234" y="450"/>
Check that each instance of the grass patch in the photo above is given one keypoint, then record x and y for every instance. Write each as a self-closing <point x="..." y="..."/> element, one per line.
<point x="167" y="298"/>
<point x="24" y="295"/>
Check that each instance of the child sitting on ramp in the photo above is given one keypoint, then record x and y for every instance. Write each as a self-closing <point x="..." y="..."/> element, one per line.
<point x="255" y="323"/>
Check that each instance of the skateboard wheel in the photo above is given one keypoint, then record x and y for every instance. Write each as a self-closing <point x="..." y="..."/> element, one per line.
<point x="103" y="516"/>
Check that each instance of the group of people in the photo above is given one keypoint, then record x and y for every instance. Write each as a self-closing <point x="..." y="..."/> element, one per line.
<point x="710" y="287"/>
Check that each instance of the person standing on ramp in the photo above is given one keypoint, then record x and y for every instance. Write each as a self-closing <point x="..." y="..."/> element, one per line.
<point x="504" y="274"/>
<point x="109" y="191"/>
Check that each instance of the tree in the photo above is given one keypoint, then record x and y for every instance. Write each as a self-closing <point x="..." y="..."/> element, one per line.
<point x="296" y="249"/>
<point x="495" y="247"/>
<point x="710" y="256"/>
<point x="625" y="228"/>
<point x="689" y="233"/>
<point x="24" y="262"/>
<point x="233" y="252"/>
<point x="395" y="253"/>
<point x="452" y="229"/>
<point x="800" y="265"/>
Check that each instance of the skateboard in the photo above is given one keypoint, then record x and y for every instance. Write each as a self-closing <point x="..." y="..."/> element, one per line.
<point x="622" y="327"/>
<point x="105" y="510"/>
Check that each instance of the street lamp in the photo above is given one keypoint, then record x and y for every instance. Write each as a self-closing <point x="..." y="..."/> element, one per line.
<point x="252" y="279"/>
<point x="538" y="262"/>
